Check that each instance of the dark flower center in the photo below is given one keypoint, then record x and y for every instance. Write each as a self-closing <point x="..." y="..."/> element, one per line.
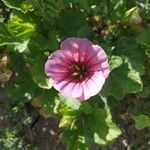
<point x="79" y="71"/>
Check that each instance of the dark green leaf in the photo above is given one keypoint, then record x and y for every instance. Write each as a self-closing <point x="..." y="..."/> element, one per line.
<point x="20" y="90"/>
<point x="38" y="74"/>
<point x="15" y="4"/>
<point x="6" y="37"/>
<point x="70" y="22"/>
<point x="127" y="47"/>
<point x="122" y="80"/>
<point x="105" y="130"/>
<point x="143" y="38"/>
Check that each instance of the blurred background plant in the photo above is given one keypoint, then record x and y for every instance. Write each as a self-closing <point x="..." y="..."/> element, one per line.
<point x="33" y="115"/>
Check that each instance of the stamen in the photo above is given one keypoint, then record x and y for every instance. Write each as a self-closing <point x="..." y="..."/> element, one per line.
<point x="80" y="76"/>
<point x="79" y="71"/>
<point x="85" y="73"/>
<point x="75" y="73"/>
<point x="77" y="67"/>
<point x="83" y="67"/>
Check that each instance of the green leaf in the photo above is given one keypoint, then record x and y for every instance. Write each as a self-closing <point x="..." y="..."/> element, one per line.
<point x="83" y="127"/>
<point x="6" y="37"/>
<point x="17" y="33"/>
<point x="84" y="4"/>
<point x="70" y="102"/>
<point x="21" y="25"/>
<point x="145" y="93"/>
<point x="67" y="121"/>
<point x="86" y="108"/>
<point x="144" y="40"/>
<point x="21" y="28"/>
<point x="122" y="80"/>
<point x="115" y="61"/>
<point x="85" y="31"/>
<point x="26" y="6"/>
<point x="132" y="15"/>
<point x="70" y="22"/>
<point x="77" y="139"/>
<point x="127" y="47"/>
<point x="15" y="4"/>
<point x="105" y="130"/>
<point x="53" y="9"/>
<point x="20" y="90"/>
<point x="38" y="74"/>
<point x="21" y="46"/>
<point x="141" y="121"/>
<point x="50" y="101"/>
<point x="46" y="10"/>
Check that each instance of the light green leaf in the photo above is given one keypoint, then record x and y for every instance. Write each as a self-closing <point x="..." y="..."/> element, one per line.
<point x="115" y="61"/>
<point x="67" y="121"/>
<point x="17" y="33"/>
<point x="27" y="6"/>
<point x="132" y="16"/>
<point x="141" y="121"/>
<point x="70" y="102"/>
<point x="122" y="80"/>
<point x="21" y="26"/>
<point x="22" y="46"/>
<point x="85" y="128"/>
<point x="105" y="130"/>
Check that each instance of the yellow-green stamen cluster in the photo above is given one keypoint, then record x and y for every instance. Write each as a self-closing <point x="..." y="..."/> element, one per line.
<point x="79" y="71"/>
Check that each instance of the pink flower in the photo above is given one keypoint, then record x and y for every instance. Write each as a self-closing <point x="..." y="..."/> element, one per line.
<point x="79" y="69"/>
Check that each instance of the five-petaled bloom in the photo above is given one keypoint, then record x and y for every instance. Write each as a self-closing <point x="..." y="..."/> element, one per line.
<point x="79" y="69"/>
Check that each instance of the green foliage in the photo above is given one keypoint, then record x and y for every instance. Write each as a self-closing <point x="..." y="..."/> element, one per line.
<point x="96" y="123"/>
<point x="127" y="47"/>
<point x="71" y="102"/>
<point x="35" y="29"/>
<point x="6" y="37"/>
<point x="115" y="61"/>
<point x="38" y="75"/>
<point x="13" y="4"/>
<point x="20" y="89"/>
<point x="21" y="25"/>
<point x="122" y="80"/>
<point x="141" y="121"/>
<point x="70" y="22"/>
<point x="143" y="39"/>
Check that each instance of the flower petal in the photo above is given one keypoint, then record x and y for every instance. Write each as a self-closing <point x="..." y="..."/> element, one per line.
<point x="70" y="47"/>
<point x="57" y="66"/>
<point x="60" y="65"/>
<point x="92" y="86"/>
<point x="84" y="49"/>
<point x="69" y="88"/>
